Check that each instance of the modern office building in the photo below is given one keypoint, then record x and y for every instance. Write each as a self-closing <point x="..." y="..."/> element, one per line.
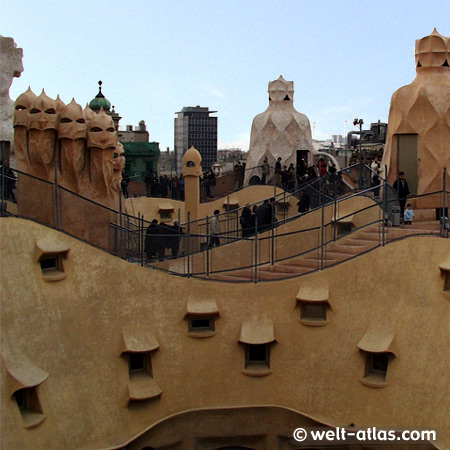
<point x="195" y="127"/>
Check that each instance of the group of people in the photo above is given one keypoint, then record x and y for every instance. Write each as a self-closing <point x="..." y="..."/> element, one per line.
<point x="261" y="217"/>
<point x="164" y="186"/>
<point x="161" y="236"/>
<point x="288" y="177"/>
<point x="208" y="181"/>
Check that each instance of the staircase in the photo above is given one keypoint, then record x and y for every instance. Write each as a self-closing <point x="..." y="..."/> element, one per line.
<point x="345" y="248"/>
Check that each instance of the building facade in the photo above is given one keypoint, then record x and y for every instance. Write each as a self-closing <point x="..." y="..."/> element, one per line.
<point x="141" y="155"/>
<point x="194" y="127"/>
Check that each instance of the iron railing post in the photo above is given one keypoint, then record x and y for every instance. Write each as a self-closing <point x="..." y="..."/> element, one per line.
<point x="444" y="217"/>
<point x="228" y="215"/>
<point x="58" y="222"/>
<point x="3" y="178"/>
<point x="322" y="236"/>
<point x="120" y="225"/>
<point x="256" y="251"/>
<point x="385" y="206"/>
<point x="207" y="246"/>
<point x="189" y="245"/>
<point x="138" y="227"/>
<point x="272" y="243"/>
<point x="335" y="217"/>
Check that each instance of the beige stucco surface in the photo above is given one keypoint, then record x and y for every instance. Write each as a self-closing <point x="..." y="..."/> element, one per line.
<point x="307" y="236"/>
<point x="73" y="330"/>
<point x="149" y="206"/>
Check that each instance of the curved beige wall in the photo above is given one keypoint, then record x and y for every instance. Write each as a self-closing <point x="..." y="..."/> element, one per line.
<point x="72" y="329"/>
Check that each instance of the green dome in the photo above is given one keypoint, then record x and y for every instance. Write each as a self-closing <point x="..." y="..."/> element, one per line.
<point x="100" y="101"/>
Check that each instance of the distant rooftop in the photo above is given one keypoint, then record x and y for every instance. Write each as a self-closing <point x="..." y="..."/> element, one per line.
<point x="196" y="109"/>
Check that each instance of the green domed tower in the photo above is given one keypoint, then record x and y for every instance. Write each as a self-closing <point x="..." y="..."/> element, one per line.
<point x="100" y="101"/>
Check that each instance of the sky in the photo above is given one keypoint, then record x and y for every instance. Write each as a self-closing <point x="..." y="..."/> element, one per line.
<point x="346" y="58"/>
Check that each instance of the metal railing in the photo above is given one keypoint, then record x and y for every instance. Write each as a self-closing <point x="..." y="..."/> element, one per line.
<point x="191" y="250"/>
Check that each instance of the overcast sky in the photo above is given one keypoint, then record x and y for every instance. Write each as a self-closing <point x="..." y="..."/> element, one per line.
<point x="346" y="58"/>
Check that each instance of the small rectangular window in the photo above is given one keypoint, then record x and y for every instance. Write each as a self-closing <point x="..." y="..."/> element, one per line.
<point x="447" y="282"/>
<point x="21" y="399"/>
<point x="50" y="262"/>
<point x="314" y="311"/>
<point x="201" y="324"/>
<point x="378" y="363"/>
<point x="29" y="406"/>
<point x="139" y="362"/>
<point x="165" y="214"/>
<point x="257" y="354"/>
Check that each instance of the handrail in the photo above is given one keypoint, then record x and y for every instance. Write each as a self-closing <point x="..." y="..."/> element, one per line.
<point x="132" y="232"/>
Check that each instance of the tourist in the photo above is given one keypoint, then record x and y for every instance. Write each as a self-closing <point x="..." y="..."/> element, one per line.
<point x="212" y="183"/>
<point x="237" y="175"/>
<point x="148" y="182"/>
<point x="151" y="241"/>
<point x="175" y="240"/>
<point x="265" y="170"/>
<point x="124" y="183"/>
<point x="408" y="215"/>
<point x="241" y="174"/>
<point x="332" y="178"/>
<point x="375" y="178"/>
<point x="181" y="187"/>
<point x="214" y="230"/>
<point x="402" y="188"/>
<point x="154" y="185"/>
<point x="278" y="172"/>
<point x="247" y="222"/>
<point x="312" y="174"/>
<point x="290" y="184"/>
<point x="322" y="167"/>
<point x="284" y="178"/>
<point x="304" y="202"/>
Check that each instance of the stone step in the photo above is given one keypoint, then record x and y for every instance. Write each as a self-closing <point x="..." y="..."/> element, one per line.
<point x="228" y="276"/>
<point x="270" y="275"/>
<point x="351" y="249"/>
<point x="285" y="268"/>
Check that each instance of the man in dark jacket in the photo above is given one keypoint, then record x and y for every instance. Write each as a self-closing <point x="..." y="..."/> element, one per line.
<point x="304" y="202"/>
<point x="402" y="188"/>
<point x="247" y="222"/>
<point x="151" y="240"/>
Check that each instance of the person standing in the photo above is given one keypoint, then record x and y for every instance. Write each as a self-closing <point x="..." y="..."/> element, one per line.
<point x="376" y="170"/>
<point x="237" y="174"/>
<point x="247" y="222"/>
<point x="214" y="230"/>
<point x="322" y="167"/>
<point x="402" y="188"/>
<point x="291" y="178"/>
<point x="212" y="183"/>
<point x="278" y="171"/>
<point x="332" y="178"/>
<point x="304" y="202"/>
<point x="124" y="183"/>
<point x="408" y="215"/>
<point x="151" y="245"/>
<point x="265" y="170"/>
